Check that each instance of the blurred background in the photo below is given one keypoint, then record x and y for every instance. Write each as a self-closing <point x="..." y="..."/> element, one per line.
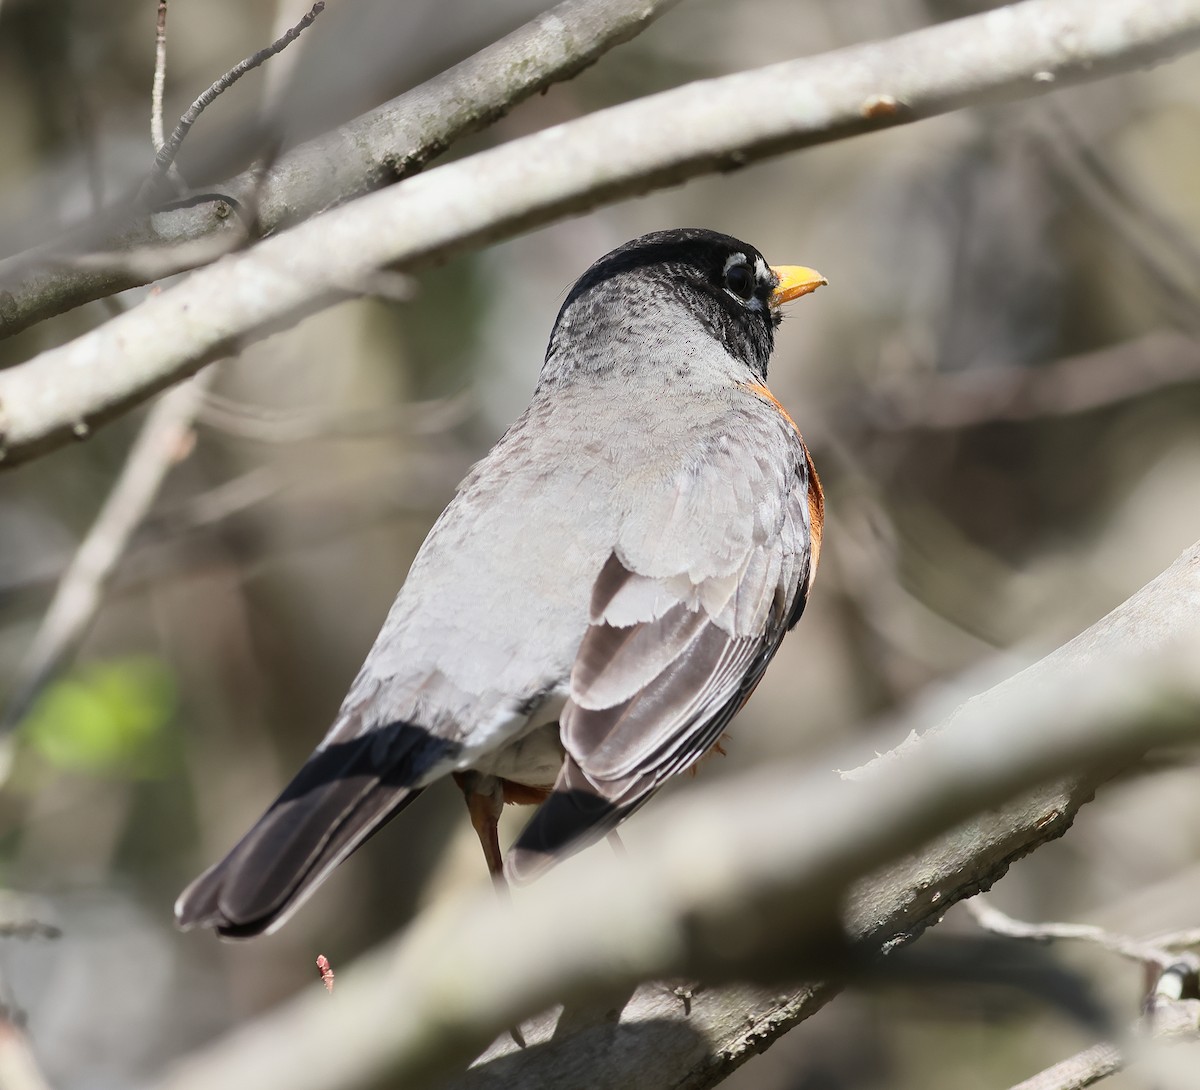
<point x="1000" y="387"/>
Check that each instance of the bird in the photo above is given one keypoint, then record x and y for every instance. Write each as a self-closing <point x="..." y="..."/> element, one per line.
<point x="596" y="603"/>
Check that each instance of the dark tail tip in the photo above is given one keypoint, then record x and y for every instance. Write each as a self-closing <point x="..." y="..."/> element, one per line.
<point x="196" y="906"/>
<point x="199" y="906"/>
<point x="344" y="793"/>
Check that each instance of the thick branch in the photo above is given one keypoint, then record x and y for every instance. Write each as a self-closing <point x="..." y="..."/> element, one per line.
<point x="374" y="150"/>
<point x="741" y="881"/>
<point x="1009" y="52"/>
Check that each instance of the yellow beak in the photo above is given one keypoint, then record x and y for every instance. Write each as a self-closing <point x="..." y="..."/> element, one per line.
<point x="794" y="281"/>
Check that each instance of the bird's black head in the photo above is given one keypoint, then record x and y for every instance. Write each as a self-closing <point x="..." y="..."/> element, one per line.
<point x="721" y="283"/>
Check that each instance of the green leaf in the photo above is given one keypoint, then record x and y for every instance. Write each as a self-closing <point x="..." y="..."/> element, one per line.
<point x="105" y="717"/>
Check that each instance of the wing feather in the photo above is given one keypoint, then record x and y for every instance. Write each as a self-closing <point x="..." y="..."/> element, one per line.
<point x="683" y="624"/>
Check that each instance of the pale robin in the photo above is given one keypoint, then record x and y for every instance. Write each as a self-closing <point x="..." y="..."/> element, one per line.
<point x="596" y="603"/>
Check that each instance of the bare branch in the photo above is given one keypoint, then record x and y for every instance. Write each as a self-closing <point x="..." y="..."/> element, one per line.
<point x="990" y="918"/>
<point x="166" y="154"/>
<point x="1170" y="1006"/>
<point x="1167" y="233"/>
<point x="747" y="879"/>
<point x="382" y="146"/>
<point x="1168" y="1021"/>
<point x="1178" y="939"/>
<point x="1083" y="1069"/>
<point x="26" y="917"/>
<point x="160" y="78"/>
<point x="160" y="444"/>
<point x="155" y="262"/>
<point x="1084" y="172"/>
<point x="569" y="168"/>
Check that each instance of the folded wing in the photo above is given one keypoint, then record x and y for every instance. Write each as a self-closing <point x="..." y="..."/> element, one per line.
<point x="685" y="616"/>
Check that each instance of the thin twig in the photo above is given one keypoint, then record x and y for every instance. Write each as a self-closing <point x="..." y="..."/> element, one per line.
<point x="168" y="151"/>
<point x="1167" y="1021"/>
<point x="1084" y="1069"/>
<point x="160" y="78"/>
<point x="23" y="916"/>
<point x="1064" y="154"/>
<point x="383" y="145"/>
<point x="159" y="445"/>
<point x="28" y="929"/>
<point x="1168" y="234"/>
<point x="1178" y="940"/>
<point x="990" y="918"/>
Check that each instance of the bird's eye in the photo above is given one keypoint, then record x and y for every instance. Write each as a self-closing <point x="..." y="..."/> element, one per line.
<point x="740" y="280"/>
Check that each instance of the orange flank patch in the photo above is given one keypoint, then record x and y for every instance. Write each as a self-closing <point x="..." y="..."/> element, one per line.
<point x="816" y="513"/>
<point x="760" y="390"/>
<point x="524" y="795"/>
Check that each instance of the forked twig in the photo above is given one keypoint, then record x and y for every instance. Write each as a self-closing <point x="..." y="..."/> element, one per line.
<point x="170" y="148"/>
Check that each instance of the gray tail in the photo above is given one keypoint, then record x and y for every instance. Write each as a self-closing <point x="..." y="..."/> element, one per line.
<point x="339" y="799"/>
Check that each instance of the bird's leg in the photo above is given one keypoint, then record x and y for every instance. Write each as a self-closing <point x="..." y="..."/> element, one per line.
<point x="485" y="802"/>
<point x="617" y="844"/>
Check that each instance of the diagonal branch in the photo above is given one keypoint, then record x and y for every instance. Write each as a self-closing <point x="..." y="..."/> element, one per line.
<point x="380" y="147"/>
<point x="169" y="148"/>
<point x="744" y="880"/>
<point x="1168" y="1021"/>
<point x="1147" y="952"/>
<point x="1006" y="53"/>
